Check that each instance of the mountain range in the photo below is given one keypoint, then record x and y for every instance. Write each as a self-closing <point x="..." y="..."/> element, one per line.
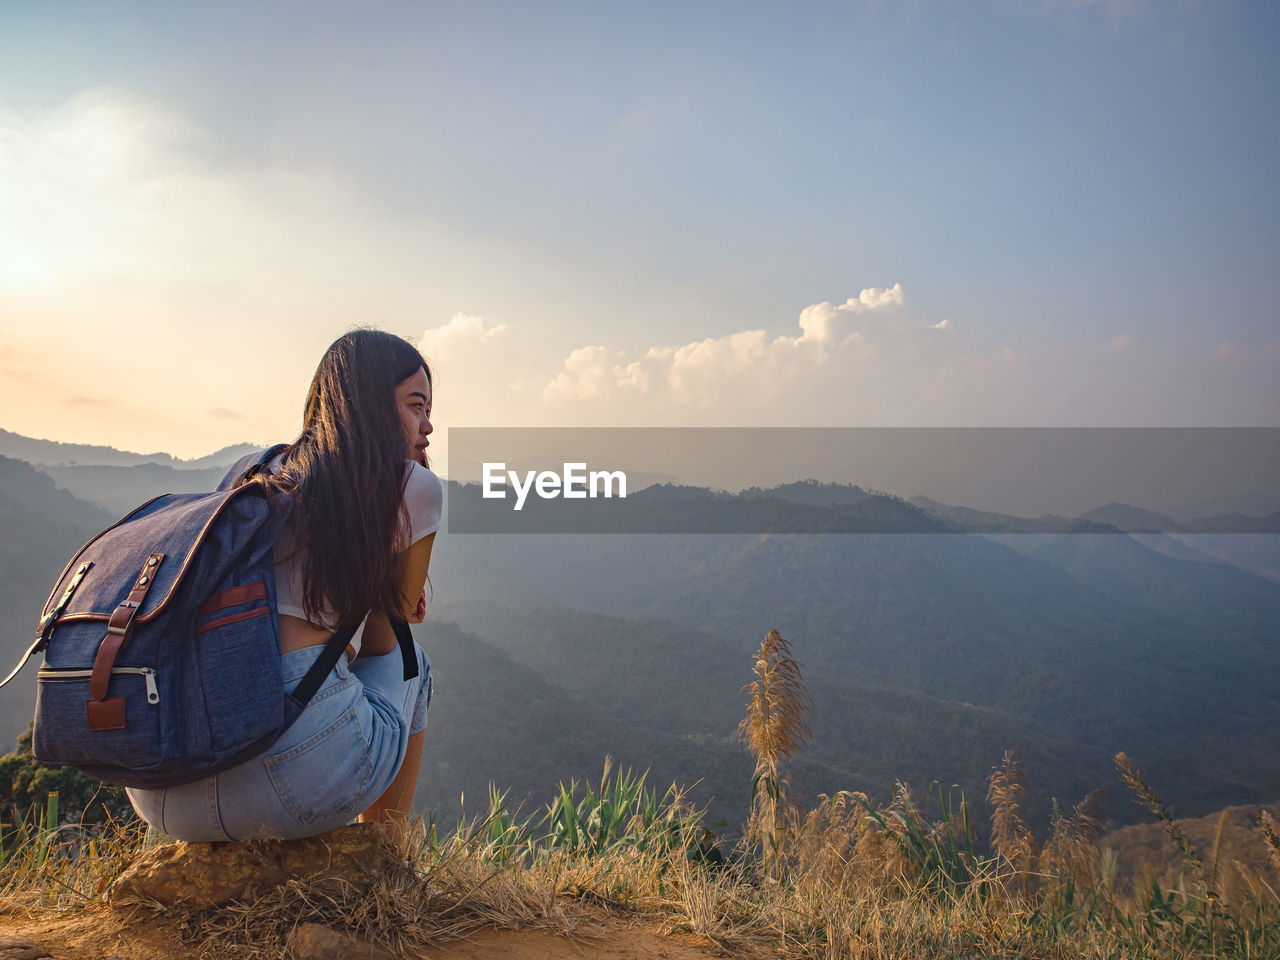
<point x="926" y="654"/>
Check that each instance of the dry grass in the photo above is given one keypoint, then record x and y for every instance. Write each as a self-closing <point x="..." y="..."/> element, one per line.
<point x="773" y="729"/>
<point x="65" y="867"/>
<point x="1146" y="797"/>
<point x="849" y="878"/>
<point x="442" y="895"/>
<point x="852" y="879"/>
<point x="1270" y="830"/>
<point x="1011" y="838"/>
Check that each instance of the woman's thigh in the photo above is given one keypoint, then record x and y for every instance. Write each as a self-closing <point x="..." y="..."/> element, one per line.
<point x="333" y="762"/>
<point x="399" y="703"/>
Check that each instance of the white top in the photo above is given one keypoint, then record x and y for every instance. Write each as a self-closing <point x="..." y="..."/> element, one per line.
<point x="423" y="496"/>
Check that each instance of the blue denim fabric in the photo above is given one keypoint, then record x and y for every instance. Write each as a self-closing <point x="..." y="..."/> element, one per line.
<point x="336" y="759"/>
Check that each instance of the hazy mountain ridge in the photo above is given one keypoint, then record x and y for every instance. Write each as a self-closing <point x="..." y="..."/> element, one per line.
<point x="36" y="491"/>
<point x="801" y="507"/>
<point x="926" y="654"/>
<point x="118" y="489"/>
<point x="1133" y="519"/>
<point x="42" y="527"/>
<point x="668" y="677"/>
<point x="56" y="453"/>
<point x="118" y="480"/>
<point x="1111" y="518"/>
<point x="675" y="508"/>
<point x="494" y="720"/>
<point x="946" y="619"/>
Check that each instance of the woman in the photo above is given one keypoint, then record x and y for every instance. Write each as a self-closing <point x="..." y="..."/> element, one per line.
<point x="365" y="512"/>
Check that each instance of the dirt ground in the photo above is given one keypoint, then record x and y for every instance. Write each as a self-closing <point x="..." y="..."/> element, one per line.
<point x="101" y="933"/>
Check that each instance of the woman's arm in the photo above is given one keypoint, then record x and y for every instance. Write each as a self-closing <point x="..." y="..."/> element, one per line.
<point x="378" y="637"/>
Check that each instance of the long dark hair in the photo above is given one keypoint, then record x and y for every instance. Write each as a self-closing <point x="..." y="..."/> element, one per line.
<point x="346" y="472"/>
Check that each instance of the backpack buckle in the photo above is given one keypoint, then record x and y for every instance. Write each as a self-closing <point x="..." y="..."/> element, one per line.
<point x="122" y="617"/>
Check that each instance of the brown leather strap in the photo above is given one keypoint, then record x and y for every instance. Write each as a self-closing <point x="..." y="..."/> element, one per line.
<point x="119" y="628"/>
<point x="232" y="596"/>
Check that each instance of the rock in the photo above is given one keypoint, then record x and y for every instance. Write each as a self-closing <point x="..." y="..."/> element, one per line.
<point x="310" y="941"/>
<point x="20" y="948"/>
<point x="199" y="875"/>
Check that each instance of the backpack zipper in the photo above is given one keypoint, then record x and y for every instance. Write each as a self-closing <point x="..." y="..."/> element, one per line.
<point x="149" y="675"/>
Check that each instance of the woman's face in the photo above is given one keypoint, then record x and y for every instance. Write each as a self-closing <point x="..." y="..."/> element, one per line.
<point x="413" y="403"/>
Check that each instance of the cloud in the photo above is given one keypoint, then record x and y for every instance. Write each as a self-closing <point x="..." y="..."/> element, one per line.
<point x="1120" y="343"/>
<point x="122" y="222"/>
<point x="1246" y="354"/>
<point x="222" y="413"/>
<point x="477" y="368"/>
<point x="1012" y="357"/>
<point x="818" y="322"/>
<point x="701" y="368"/>
<point x="587" y="374"/>
<point x="866" y="361"/>
<point x="858" y="359"/>
<point x="463" y="333"/>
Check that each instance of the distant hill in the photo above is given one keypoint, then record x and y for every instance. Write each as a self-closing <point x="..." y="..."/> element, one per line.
<point x="672" y="508"/>
<point x="118" y="489"/>
<point x="670" y="678"/>
<point x="61" y="454"/>
<point x="802" y="507"/>
<point x="1259" y="554"/>
<point x="33" y="491"/>
<point x="1121" y="654"/>
<point x="116" y="480"/>
<point x="1146" y="849"/>
<point x="813" y="492"/>
<point x="1133" y="519"/>
<point x="494" y="720"/>
<point x="1112" y="518"/>
<point x="1199" y="592"/>
<point x="985" y="521"/>
<point x="927" y="653"/>
<point x="42" y="527"/>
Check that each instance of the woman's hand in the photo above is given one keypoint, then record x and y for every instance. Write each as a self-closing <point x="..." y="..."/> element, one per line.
<point x="420" y="611"/>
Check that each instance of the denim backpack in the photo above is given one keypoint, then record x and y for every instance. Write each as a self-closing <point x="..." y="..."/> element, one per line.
<point x="161" y="641"/>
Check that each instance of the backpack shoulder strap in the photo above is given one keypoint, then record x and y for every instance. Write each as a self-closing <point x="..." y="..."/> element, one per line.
<point x="314" y="677"/>
<point x="407" y="654"/>
<point x="250" y="466"/>
<point x="333" y="649"/>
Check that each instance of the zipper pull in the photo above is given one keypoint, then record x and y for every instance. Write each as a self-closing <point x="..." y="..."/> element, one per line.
<point x="153" y="692"/>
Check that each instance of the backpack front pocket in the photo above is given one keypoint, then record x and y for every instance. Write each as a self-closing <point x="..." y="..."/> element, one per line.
<point x="237" y="651"/>
<point x="62" y="704"/>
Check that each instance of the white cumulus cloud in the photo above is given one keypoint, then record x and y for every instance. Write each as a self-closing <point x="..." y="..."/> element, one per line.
<point x="587" y="374"/>
<point x="461" y="334"/>
<point x="704" y="371"/>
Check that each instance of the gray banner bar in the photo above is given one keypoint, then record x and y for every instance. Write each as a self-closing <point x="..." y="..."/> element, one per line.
<point x="849" y="480"/>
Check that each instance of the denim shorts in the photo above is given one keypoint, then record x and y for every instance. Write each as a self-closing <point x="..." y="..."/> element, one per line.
<point x="336" y="759"/>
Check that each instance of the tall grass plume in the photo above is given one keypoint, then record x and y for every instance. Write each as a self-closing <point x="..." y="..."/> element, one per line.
<point x="774" y="729"/>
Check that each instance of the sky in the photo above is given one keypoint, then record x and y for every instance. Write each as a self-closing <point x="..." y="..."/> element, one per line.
<point x="988" y="213"/>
